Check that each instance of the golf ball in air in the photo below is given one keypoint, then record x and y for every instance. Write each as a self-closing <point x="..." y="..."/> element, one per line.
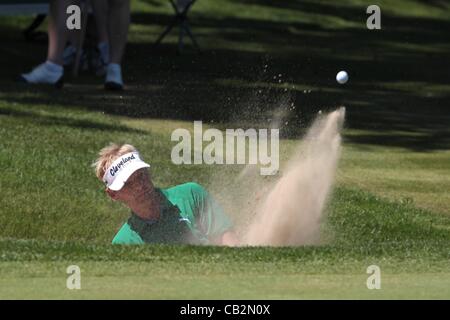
<point x="342" y="77"/>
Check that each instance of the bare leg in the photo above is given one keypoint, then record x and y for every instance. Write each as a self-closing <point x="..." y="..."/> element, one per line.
<point x="57" y="30"/>
<point x="51" y="71"/>
<point x="118" y="20"/>
<point x="101" y="11"/>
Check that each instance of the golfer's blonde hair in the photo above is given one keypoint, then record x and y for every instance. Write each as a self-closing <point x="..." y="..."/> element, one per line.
<point x="107" y="156"/>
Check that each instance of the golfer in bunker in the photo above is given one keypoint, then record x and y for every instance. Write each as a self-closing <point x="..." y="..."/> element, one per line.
<point x="181" y="214"/>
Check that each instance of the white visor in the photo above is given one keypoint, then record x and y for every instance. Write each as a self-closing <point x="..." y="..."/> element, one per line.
<point x="121" y="169"/>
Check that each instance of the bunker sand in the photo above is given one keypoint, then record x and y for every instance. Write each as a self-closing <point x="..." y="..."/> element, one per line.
<point x="290" y="211"/>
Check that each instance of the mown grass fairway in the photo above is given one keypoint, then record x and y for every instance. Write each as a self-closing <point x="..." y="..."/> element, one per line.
<point x="391" y="203"/>
<point x="153" y="281"/>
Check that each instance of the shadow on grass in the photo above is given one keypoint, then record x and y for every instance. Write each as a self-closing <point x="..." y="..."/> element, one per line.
<point x="251" y="68"/>
<point x="48" y="120"/>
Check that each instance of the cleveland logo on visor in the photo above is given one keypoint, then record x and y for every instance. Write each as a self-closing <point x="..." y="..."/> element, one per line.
<point x="115" y="168"/>
<point x="121" y="169"/>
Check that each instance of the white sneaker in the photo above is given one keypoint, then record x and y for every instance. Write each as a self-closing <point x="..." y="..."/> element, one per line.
<point x="46" y="73"/>
<point x="113" y="77"/>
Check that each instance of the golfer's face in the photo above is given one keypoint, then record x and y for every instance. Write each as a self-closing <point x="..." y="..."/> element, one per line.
<point x="135" y="187"/>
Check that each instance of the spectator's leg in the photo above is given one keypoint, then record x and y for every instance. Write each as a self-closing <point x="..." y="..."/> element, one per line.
<point x="57" y="30"/>
<point x="51" y="71"/>
<point x="118" y="22"/>
<point x="101" y="12"/>
<point x="73" y="42"/>
<point x="81" y="37"/>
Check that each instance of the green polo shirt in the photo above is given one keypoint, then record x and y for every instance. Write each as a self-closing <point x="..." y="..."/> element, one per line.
<point x="188" y="214"/>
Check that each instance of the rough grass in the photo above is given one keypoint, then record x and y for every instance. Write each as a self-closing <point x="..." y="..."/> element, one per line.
<point x="409" y="245"/>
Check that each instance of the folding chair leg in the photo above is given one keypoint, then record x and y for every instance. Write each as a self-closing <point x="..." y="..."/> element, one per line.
<point x="30" y="31"/>
<point x="180" y="40"/>
<point x="164" y="34"/>
<point x="182" y="20"/>
<point x="189" y="33"/>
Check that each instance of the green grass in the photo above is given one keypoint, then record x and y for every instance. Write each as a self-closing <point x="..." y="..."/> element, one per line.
<point x="153" y="281"/>
<point x="391" y="203"/>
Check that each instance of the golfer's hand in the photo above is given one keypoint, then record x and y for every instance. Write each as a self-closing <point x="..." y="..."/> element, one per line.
<point x="229" y="239"/>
